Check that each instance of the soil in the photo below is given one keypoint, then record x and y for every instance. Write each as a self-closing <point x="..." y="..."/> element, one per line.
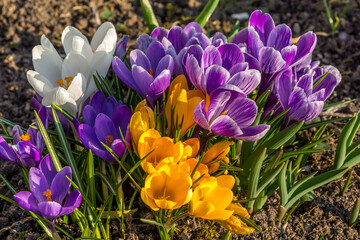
<point x="22" y="22"/>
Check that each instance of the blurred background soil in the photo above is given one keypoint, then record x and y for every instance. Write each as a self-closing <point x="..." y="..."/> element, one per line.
<point x="22" y="22"/>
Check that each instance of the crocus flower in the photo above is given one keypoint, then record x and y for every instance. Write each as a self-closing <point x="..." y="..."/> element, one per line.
<point x="141" y="121"/>
<point x="165" y="151"/>
<point x="69" y="82"/>
<point x="215" y="67"/>
<point x="103" y="120"/>
<point x="299" y="94"/>
<point x="229" y="113"/>
<point x="211" y="198"/>
<point x="167" y="188"/>
<point x="269" y="49"/>
<point x="150" y="72"/>
<point x="217" y="154"/>
<point x="180" y="105"/>
<point x="234" y="224"/>
<point x="48" y="191"/>
<point x="28" y="147"/>
<point x="201" y="173"/>
<point x="121" y="46"/>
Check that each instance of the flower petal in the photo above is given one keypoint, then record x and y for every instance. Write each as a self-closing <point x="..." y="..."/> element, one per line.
<point x="155" y="53"/>
<point x="50" y="210"/>
<point x="247" y="80"/>
<point x="253" y="133"/>
<point x="230" y="54"/>
<point x="104" y="38"/>
<point x="270" y="60"/>
<point x="215" y="76"/>
<point x="27" y="201"/>
<point x="279" y="37"/>
<point x="38" y="184"/>
<point x="48" y="169"/>
<point x="61" y="185"/>
<point x="72" y="202"/>
<point x="47" y="63"/>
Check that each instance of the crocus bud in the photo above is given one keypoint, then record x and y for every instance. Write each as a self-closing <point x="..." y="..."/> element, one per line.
<point x="121" y="46"/>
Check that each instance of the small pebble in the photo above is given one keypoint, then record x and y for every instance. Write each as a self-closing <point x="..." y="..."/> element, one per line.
<point x="240" y="16"/>
<point x="343" y="36"/>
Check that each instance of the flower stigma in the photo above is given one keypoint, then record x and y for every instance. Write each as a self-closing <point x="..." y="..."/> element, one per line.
<point x="68" y="81"/>
<point x="150" y="71"/>
<point x="48" y="194"/>
<point x="109" y="139"/>
<point x="25" y="137"/>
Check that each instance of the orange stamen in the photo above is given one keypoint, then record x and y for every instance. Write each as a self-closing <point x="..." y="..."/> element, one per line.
<point x="150" y="71"/>
<point x="109" y="139"/>
<point x="25" y="137"/>
<point x="68" y="81"/>
<point x="48" y="194"/>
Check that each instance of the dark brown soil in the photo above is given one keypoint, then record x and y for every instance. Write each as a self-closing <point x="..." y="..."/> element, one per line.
<point x="22" y="23"/>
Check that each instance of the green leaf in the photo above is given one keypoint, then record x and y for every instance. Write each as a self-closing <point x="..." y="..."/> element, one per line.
<point x="268" y="179"/>
<point x="149" y="15"/>
<point x="283" y="185"/>
<point x="355" y="213"/>
<point x="151" y="221"/>
<point x="106" y="14"/>
<point x="206" y="12"/>
<point x="317" y="124"/>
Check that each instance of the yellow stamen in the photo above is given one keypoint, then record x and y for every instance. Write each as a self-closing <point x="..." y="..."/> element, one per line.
<point x="224" y="112"/>
<point x="25" y="137"/>
<point x="150" y="71"/>
<point x="68" y="81"/>
<point x="109" y="139"/>
<point x="207" y="102"/>
<point x="48" y="194"/>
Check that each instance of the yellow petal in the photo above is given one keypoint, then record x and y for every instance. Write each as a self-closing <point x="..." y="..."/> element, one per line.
<point x="239" y="210"/>
<point x="148" y="201"/>
<point x="191" y="148"/>
<point x="226" y="181"/>
<point x="146" y="141"/>
<point x="217" y="152"/>
<point x="237" y="226"/>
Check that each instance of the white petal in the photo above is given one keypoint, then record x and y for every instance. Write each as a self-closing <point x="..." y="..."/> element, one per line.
<point x="45" y="42"/>
<point x="77" y="87"/>
<point x="62" y="98"/>
<point x="105" y="38"/>
<point x="47" y="63"/>
<point x="80" y="46"/>
<point x="73" y="64"/>
<point x="101" y="63"/>
<point x="67" y="38"/>
<point x="91" y="88"/>
<point x="40" y="83"/>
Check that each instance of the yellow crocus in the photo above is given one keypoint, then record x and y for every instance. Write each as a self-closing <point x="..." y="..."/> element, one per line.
<point x="141" y="121"/>
<point x="180" y="106"/>
<point x="165" y="151"/>
<point x="191" y="148"/>
<point x="212" y="197"/>
<point x="216" y="154"/>
<point x="235" y="225"/>
<point x="167" y="188"/>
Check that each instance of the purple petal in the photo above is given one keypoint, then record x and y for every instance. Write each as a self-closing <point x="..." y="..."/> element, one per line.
<point x="89" y="115"/>
<point x="298" y="104"/>
<point x="27" y="201"/>
<point x="166" y="62"/>
<point x="315" y="109"/>
<point x="50" y="210"/>
<point x="72" y="202"/>
<point x="241" y="37"/>
<point x="270" y="60"/>
<point x="262" y="24"/>
<point x="38" y="184"/>
<point x="284" y="85"/>
<point x="178" y="38"/>
<point x="243" y="111"/>
<point x="225" y="126"/>
<point x="88" y="137"/>
<point x="200" y="115"/>
<point x="239" y="67"/>
<point x="230" y="54"/>
<point x="247" y="80"/>
<point x="123" y="73"/>
<point x="48" y="169"/>
<point x="215" y="76"/>
<point x="218" y="39"/>
<point x="195" y="73"/>
<point x="143" y="42"/>
<point x="28" y="154"/>
<point x="255" y="44"/>
<point x="121" y="46"/>
<point x="253" y="62"/>
<point x="305" y="46"/>
<point x="110" y="106"/>
<point x="158" y="86"/>
<point x="104" y="128"/>
<point x="279" y="37"/>
<point x="155" y="53"/>
<point x="192" y="28"/>
<point x="121" y="118"/>
<point x="159" y="33"/>
<point x="329" y="82"/>
<point x="306" y="83"/>
<point x="194" y="50"/>
<point x="118" y="147"/>
<point x="288" y="54"/>
<point x="253" y="133"/>
<point x="139" y="58"/>
<point x="142" y="79"/>
<point x="61" y="185"/>
<point x="16" y="133"/>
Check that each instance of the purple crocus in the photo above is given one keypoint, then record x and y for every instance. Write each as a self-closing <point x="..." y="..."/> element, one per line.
<point x="121" y="46"/>
<point x="269" y="48"/>
<point x="296" y="91"/>
<point x="27" y="147"/>
<point x="48" y="191"/>
<point x="229" y="113"/>
<point x="150" y="72"/>
<point x="103" y="120"/>
<point x="215" y="67"/>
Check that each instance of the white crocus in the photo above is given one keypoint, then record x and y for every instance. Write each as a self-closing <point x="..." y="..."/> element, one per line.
<point x="68" y="82"/>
